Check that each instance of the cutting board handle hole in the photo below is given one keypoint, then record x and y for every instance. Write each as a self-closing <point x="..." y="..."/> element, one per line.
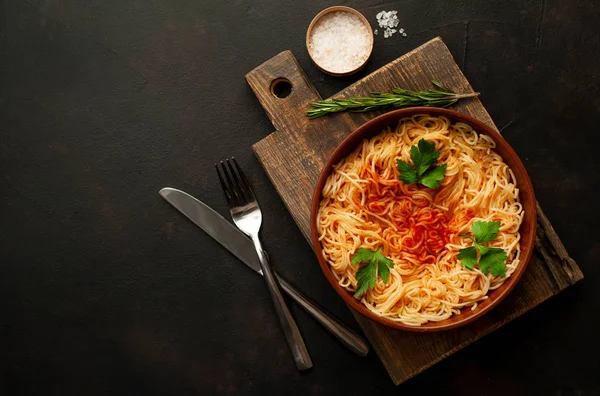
<point x="281" y="87"/>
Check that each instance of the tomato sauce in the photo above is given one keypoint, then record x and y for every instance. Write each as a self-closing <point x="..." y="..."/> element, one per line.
<point x="422" y="229"/>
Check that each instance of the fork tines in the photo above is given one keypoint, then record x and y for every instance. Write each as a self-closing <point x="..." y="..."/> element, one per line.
<point x="234" y="183"/>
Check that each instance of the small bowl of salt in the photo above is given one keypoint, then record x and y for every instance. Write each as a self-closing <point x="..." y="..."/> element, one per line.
<point x="339" y="40"/>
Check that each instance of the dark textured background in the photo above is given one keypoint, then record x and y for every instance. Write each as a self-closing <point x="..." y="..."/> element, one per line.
<point x="105" y="289"/>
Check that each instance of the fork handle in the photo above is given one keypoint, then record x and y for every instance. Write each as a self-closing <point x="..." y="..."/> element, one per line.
<point x="288" y="324"/>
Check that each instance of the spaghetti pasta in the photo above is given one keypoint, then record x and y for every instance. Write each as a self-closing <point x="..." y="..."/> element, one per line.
<point x="364" y="204"/>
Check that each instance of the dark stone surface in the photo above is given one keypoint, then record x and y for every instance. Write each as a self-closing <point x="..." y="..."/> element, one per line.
<point x="105" y="289"/>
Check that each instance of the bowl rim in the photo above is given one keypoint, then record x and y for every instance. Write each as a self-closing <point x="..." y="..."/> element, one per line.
<point x="371" y="128"/>
<point x="314" y="21"/>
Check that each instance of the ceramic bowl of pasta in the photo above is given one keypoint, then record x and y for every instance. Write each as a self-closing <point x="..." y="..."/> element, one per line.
<point x="423" y="219"/>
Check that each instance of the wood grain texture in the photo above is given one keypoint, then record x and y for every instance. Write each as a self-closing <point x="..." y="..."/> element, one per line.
<point x="294" y="155"/>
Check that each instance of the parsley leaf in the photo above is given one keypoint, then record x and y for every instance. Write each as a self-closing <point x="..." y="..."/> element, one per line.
<point x="485" y="231"/>
<point x="494" y="261"/>
<point x="367" y="274"/>
<point x="423" y="156"/>
<point x="468" y="256"/>
<point x="384" y="270"/>
<point x="433" y="176"/>
<point x="361" y="255"/>
<point x="407" y="172"/>
<point x="491" y="259"/>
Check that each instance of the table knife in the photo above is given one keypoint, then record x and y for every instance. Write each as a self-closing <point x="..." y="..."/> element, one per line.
<point x="241" y="246"/>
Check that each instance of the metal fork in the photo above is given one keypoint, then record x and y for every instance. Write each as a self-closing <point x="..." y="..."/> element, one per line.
<point x="247" y="216"/>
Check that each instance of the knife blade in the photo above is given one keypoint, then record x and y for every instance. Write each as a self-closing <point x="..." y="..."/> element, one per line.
<point x="214" y="225"/>
<point x="241" y="246"/>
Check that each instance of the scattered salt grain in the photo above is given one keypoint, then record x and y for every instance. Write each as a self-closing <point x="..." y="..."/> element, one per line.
<point x="388" y="21"/>
<point x="340" y="42"/>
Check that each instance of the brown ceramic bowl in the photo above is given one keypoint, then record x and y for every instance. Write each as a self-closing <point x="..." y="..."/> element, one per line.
<point x="526" y="195"/>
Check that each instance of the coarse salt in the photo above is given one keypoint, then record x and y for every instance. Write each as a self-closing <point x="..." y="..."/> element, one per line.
<point x="340" y="42"/>
<point x="388" y="21"/>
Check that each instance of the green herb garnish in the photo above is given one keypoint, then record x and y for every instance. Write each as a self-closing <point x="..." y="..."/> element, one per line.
<point x="422" y="172"/>
<point x="441" y="97"/>
<point x="490" y="259"/>
<point x="367" y="274"/>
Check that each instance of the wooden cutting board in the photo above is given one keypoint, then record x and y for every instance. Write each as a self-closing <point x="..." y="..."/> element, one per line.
<point x="294" y="154"/>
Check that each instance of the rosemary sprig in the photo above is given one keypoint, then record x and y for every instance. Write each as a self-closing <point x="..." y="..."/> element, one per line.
<point x="440" y="97"/>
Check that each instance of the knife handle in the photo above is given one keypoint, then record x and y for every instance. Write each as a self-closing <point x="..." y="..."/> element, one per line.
<point x="349" y="338"/>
